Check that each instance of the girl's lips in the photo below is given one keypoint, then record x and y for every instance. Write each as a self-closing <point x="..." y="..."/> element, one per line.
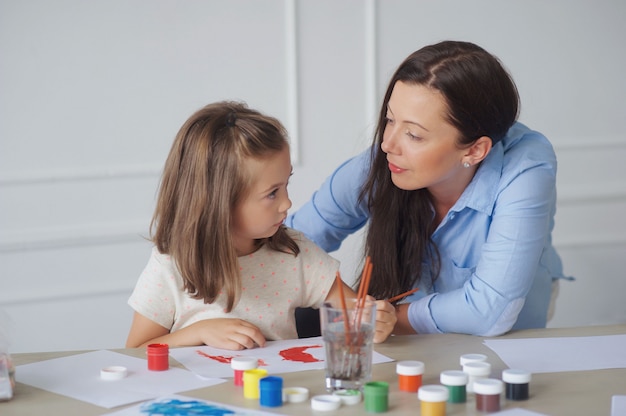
<point x="395" y="169"/>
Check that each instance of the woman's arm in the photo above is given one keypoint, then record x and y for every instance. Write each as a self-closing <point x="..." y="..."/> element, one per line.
<point x="488" y="300"/>
<point x="334" y="212"/>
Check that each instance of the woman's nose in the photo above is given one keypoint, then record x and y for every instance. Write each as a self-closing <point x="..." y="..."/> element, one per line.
<point x="389" y="140"/>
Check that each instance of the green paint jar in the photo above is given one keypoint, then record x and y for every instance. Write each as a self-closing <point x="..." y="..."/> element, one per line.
<point x="455" y="381"/>
<point x="376" y="395"/>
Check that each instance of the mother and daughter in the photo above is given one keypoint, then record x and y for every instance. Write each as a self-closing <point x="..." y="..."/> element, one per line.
<point x="458" y="198"/>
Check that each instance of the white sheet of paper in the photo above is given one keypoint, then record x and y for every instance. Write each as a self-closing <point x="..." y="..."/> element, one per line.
<point x="179" y="405"/>
<point x="78" y="376"/>
<point x="550" y="355"/>
<point x="276" y="357"/>
<point x="517" y="412"/>
<point x="618" y="406"/>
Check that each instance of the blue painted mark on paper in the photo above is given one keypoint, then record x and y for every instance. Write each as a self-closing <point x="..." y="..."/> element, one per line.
<point x="176" y="407"/>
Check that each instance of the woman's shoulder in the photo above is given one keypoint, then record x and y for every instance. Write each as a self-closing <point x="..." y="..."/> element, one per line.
<point x="521" y="138"/>
<point x="524" y="148"/>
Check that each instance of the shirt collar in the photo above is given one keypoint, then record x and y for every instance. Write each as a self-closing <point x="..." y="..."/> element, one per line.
<point x="481" y="193"/>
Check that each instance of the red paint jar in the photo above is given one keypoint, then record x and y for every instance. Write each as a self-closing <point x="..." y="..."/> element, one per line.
<point x="158" y="357"/>
<point x="488" y="391"/>
<point x="241" y="364"/>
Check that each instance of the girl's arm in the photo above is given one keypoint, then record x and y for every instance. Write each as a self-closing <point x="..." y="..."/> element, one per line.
<point x="225" y="333"/>
<point x="385" y="312"/>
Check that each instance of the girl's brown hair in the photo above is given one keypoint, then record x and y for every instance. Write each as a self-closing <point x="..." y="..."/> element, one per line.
<point x="202" y="182"/>
<point x="482" y="100"/>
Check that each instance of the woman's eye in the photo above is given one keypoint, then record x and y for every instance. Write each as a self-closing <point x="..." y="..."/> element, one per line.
<point x="411" y="135"/>
<point x="388" y="120"/>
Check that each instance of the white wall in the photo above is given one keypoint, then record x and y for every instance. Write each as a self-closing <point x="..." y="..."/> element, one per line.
<point x="92" y="93"/>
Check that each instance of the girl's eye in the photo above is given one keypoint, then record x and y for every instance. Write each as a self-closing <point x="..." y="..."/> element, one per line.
<point x="272" y="194"/>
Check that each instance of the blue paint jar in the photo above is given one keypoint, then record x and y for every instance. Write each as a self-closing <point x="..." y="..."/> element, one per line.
<point x="271" y="391"/>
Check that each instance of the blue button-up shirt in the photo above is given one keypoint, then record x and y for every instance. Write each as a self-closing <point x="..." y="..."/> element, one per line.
<point x="497" y="258"/>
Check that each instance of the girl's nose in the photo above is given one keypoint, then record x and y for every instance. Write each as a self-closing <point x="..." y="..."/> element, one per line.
<point x="286" y="204"/>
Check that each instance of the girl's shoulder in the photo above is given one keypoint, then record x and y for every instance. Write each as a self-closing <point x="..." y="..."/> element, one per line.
<point x="299" y="237"/>
<point x="161" y="262"/>
<point x="307" y="246"/>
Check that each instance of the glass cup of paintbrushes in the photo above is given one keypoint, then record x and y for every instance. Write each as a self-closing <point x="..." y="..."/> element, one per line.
<point x="348" y="330"/>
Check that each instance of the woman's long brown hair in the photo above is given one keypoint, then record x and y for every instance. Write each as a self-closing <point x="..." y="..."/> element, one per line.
<point x="482" y="100"/>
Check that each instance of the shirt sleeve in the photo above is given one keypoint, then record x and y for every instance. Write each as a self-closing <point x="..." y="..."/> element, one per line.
<point x="489" y="302"/>
<point x="153" y="296"/>
<point x="334" y="211"/>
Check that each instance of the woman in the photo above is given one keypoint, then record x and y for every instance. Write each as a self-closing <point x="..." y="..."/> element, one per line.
<point x="459" y="199"/>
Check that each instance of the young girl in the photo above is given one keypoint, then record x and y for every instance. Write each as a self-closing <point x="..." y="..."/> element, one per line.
<point x="225" y="271"/>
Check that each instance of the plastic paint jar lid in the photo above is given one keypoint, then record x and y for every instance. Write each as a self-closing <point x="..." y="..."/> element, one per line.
<point x="348" y="397"/>
<point x="410" y="368"/>
<point x="433" y="393"/>
<point x="468" y="358"/>
<point x="295" y="394"/>
<point x="115" y="372"/>
<point x="325" y="402"/>
<point x="453" y="378"/>
<point x="488" y="386"/>
<point x="477" y="368"/>
<point x="244" y="363"/>
<point x="515" y="376"/>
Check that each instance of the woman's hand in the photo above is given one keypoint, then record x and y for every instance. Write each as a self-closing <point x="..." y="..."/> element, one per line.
<point x="385" y="320"/>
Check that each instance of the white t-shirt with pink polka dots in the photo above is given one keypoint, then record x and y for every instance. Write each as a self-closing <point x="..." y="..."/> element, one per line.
<point x="273" y="285"/>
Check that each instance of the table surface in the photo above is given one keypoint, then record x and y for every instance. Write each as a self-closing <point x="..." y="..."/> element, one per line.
<point x="564" y="393"/>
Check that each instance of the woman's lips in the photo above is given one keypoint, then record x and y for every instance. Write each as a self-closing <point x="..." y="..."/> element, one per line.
<point x="395" y="169"/>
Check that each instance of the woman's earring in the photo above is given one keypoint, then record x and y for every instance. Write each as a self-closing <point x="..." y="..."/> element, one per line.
<point x="466" y="164"/>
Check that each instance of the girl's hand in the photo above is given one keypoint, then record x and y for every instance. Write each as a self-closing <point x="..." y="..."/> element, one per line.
<point x="225" y="333"/>
<point x="228" y="333"/>
<point x="385" y="320"/>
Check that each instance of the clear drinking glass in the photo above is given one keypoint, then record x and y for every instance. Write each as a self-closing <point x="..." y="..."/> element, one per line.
<point x="348" y="336"/>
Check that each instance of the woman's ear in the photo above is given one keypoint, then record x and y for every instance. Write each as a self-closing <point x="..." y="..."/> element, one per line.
<point x="478" y="150"/>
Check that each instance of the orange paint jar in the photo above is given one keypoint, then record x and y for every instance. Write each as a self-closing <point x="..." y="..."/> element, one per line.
<point x="410" y="375"/>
